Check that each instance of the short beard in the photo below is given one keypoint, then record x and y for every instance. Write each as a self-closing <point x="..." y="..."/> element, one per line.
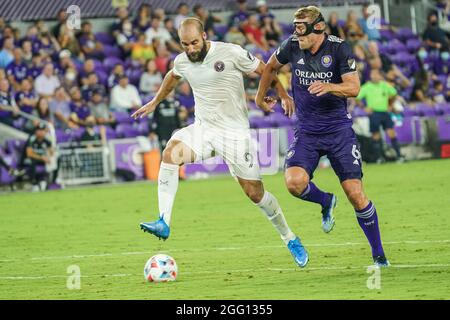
<point x="201" y="54"/>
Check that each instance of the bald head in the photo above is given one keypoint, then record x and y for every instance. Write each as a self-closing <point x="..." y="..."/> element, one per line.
<point x="193" y="39"/>
<point x="191" y="24"/>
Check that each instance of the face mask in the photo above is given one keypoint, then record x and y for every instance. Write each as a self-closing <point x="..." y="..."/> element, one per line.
<point x="304" y="28"/>
<point x="422" y="54"/>
<point x="445" y="55"/>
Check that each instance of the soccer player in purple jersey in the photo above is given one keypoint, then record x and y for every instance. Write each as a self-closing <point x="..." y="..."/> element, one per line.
<point x="323" y="77"/>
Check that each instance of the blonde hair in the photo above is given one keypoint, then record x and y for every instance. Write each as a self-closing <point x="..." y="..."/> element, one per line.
<point x="311" y="12"/>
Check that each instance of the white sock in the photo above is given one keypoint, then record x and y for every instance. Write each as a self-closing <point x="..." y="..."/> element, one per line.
<point x="270" y="207"/>
<point x="167" y="189"/>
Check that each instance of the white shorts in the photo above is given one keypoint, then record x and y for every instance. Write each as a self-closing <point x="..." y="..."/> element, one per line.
<point x="236" y="148"/>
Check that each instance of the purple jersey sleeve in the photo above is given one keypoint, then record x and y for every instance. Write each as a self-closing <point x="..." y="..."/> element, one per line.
<point x="346" y="60"/>
<point x="283" y="53"/>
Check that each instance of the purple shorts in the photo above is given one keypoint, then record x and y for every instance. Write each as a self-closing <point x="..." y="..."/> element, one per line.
<point x="341" y="148"/>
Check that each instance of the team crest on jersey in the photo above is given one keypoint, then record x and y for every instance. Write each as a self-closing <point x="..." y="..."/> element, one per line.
<point x="219" y="66"/>
<point x="327" y="60"/>
<point x="352" y="64"/>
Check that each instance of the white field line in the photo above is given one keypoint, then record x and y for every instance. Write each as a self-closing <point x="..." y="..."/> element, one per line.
<point x="344" y="244"/>
<point x="121" y="275"/>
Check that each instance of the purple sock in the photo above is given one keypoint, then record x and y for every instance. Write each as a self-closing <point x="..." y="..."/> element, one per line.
<point x="314" y="194"/>
<point x="368" y="221"/>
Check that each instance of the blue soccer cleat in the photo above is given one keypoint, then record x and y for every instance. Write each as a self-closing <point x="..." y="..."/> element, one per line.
<point x="158" y="228"/>
<point x="327" y="215"/>
<point x="381" y="261"/>
<point x="298" y="252"/>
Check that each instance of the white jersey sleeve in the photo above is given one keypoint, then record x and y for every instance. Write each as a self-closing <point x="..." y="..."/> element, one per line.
<point x="243" y="59"/>
<point x="177" y="69"/>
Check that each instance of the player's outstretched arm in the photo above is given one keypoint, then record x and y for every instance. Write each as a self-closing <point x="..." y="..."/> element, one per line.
<point x="348" y="88"/>
<point x="169" y="83"/>
<point x="268" y="74"/>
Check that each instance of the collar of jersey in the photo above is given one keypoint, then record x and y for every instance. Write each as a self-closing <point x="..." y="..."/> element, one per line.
<point x="321" y="46"/>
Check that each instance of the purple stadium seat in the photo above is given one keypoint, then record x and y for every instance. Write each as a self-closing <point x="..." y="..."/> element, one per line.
<point x="444" y="128"/>
<point x="143" y="127"/>
<point x="221" y="30"/>
<point x="122" y="117"/>
<point x="403" y="58"/>
<point x="405" y="34"/>
<point x="104" y="38"/>
<point x="413" y="45"/>
<point x="102" y="77"/>
<point x="260" y="122"/>
<point x="359" y="112"/>
<point x="387" y="34"/>
<point x="76" y="134"/>
<point x="125" y="130"/>
<point x="112" y="51"/>
<point x="396" y="46"/>
<point x="14" y="147"/>
<point x="62" y="136"/>
<point x="134" y="75"/>
<point x="279" y="120"/>
<point x="405" y="131"/>
<point x="110" y="62"/>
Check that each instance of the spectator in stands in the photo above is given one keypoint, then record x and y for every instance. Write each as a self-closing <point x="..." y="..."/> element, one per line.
<point x="234" y="35"/>
<point x="122" y="15"/>
<point x="42" y="111"/>
<point x="142" y="21"/>
<point x="91" y="48"/>
<point x="255" y="34"/>
<point x="8" y="107"/>
<point x="157" y="31"/>
<point x="438" y="94"/>
<point x="369" y="28"/>
<point x="70" y="78"/>
<point x="333" y="26"/>
<point x="240" y="17"/>
<point x="162" y="56"/>
<point x="185" y="96"/>
<point x="116" y="73"/>
<point x="161" y="14"/>
<point x="67" y="40"/>
<point x="434" y="37"/>
<point x="88" y="68"/>
<point x="60" y="108"/>
<point x="17" y="70"/>
<point x="49" y="45"/>
<point x="125" y="96"/>
<point x="150" y="80"/>
<point x="62" y="19"/>
<point x="207" y="19"/>
<point x="285" y="76"/>
<point x="90" y="135"/>
<point x="36" y="67"/>
<point x="99" y="109"/>
<point x="183" y="12"/>
<point x="378" y="95"/>
<point x="78" y="107"/>
<point x="125" y="38"/>
<point x="353" y="31"/>
<point x="65" y="61"/>
<point x="38" y="154"/>
<point x="174" y="44"/>
<point x="272" y="31"/>
<point x="168" y="116"/>
<point x="90" y="86"/>
<point x="26" y="98"/>
<point x="420" y="91"/>
<point x="27" y="53"/>
<point x="46" y="83"/>
<point x="6" y="54"/>
<point x="141" y="51"/>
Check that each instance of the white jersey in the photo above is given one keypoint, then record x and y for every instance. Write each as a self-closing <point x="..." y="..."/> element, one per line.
<point x="218" y="85"/>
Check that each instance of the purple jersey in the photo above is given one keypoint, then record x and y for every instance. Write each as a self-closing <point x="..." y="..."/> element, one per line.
<point x="19" y="71"/>
<point x="25" y="95"/>
<point x="327" y="113"/>
<point x="81" y="110"/>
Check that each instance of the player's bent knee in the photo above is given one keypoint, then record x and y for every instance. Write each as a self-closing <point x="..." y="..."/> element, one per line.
<point x="296" y="185"/>
<point x="173" y="153"/>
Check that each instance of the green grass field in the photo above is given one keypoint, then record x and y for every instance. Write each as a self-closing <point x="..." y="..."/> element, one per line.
<point x="225" y="248"/>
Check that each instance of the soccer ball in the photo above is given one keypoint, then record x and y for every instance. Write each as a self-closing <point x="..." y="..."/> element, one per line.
<point x="160" y="268"/>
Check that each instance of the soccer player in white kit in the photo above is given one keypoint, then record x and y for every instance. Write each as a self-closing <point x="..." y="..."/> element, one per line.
<point x="215" y="72"/>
